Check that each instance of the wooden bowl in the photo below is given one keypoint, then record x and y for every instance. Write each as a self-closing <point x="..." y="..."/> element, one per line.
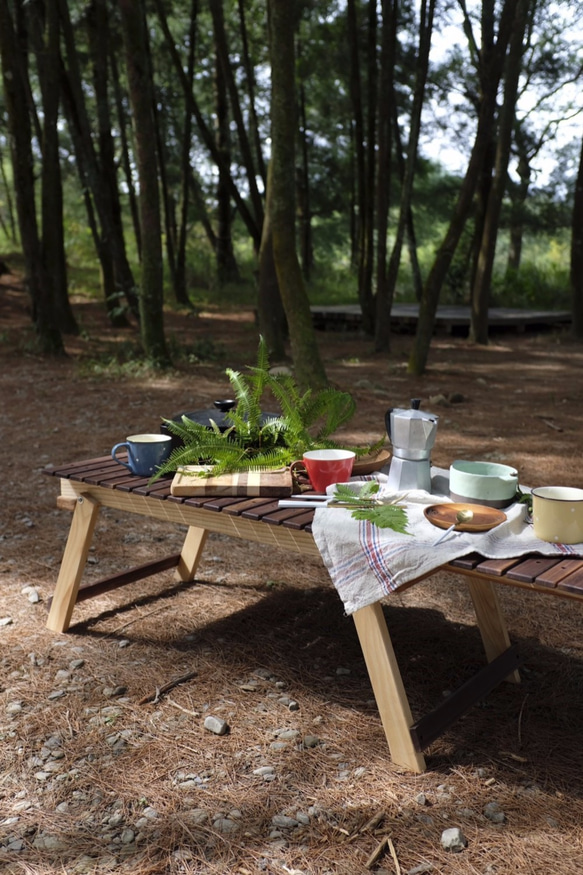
<point x="445" y="515"/>
<point x="371" y="462"/>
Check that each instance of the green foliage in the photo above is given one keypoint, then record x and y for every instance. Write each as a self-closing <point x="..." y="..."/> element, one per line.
<point x="110" y="367"/>
<point x="544" y="285"/>
<point x="323" y="72"/>
<point x="256" y="440"/>
<point x="365" y="505"/>
<point x="206" y="349"/>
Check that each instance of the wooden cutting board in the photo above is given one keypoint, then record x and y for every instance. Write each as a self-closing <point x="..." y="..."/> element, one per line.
<point x="273" y="484"/>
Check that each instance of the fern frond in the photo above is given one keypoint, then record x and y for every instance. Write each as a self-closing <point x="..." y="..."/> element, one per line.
<point x="273" y="427"/>
<point x="275" y="458"/>
<point x="285" y="392"/>
<point x="246" y="415"/>
<point x="241" y="392"/>
<point x="335" y="408"/>
<point x="186" y="429"/>
<point x="307" y="421"/>
<point x="260" y="373"/>
<point x="262" y="355"/>
<point x="178" y="457"/>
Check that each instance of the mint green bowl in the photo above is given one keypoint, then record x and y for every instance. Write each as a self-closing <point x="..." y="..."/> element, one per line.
<point x="485" y="483"/>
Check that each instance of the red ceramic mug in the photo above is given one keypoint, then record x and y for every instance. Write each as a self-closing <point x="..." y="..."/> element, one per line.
<point x="325" y="467"/>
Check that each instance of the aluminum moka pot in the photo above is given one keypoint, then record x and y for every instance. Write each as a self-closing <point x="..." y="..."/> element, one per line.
<point x="412" y="434"/>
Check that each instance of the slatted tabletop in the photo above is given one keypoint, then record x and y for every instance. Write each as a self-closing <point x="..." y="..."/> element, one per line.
<point x="562" y="575"/>
<point x="106" y="473"/>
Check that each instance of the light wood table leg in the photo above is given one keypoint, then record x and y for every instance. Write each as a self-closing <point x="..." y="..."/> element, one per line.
<point x="73" y="563"/>
<point x="491" y="621"/>
<point x="387" y="684"/>
<point x="191" y="553"/>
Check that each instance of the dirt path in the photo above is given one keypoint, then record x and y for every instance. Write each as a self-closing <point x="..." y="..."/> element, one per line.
<point x="92" y="781"/>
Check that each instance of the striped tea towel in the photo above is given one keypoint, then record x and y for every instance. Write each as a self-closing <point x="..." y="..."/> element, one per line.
<point x="367" y="563"/>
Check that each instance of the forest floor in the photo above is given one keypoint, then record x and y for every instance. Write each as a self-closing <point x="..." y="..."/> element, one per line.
<point x="91" y="780"/>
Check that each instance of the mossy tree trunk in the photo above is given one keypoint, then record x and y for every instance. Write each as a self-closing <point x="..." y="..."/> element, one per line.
<point x="271" y="315"/>
<point x="576" y="276"/>
<point x="141" y="98"/>
<point x="306" y="357"/>
<point x="46" y="42"/>
<point x="20" y="132"/>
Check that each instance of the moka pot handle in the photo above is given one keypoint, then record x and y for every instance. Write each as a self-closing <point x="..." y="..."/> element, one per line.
<point x="388" y="422"/>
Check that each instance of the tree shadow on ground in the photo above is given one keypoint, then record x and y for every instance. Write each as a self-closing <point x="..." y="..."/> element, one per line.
<point x="302" y="637"/>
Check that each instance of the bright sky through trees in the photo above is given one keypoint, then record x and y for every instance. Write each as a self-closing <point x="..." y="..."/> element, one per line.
<point x="552" y="110"/>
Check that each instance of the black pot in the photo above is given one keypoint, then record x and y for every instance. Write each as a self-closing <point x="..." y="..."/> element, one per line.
<point x="218" y="414"/>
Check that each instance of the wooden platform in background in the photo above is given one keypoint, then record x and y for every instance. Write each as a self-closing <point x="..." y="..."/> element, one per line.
<point x="451" y="319"/>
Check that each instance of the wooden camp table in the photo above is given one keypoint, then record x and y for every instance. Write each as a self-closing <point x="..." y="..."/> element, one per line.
<point x="89" y="485"/>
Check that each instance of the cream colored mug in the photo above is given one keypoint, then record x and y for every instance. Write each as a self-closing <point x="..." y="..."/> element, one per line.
<point x="557" y="514"/>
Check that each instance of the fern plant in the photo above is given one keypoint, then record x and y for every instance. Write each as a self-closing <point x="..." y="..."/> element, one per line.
<point x="254" y="440"/>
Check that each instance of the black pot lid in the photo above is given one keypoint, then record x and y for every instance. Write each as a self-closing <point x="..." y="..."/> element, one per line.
<point x="218" y="414"/>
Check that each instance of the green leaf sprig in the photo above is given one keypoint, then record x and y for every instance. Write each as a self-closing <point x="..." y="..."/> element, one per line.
<point x="365" y="504"/>
<point x="524" y="498"/>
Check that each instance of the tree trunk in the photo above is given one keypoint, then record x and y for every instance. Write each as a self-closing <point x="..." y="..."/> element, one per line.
<point x="168" y="204"/>
<point x="369" y="206"/>
<point x="98" y="41"/>
<point x="576" y="275"/>
<point x="487" y="251"/>
<point x="227" y="270"/>
<point x="303" y="190"/>
<point x="411" y="234"/>
<point x="53" y="235"/>
<point x="99" y="182"/>
<point x="270" y="312"/>
<point x="385" y="113"/>
<point x="405" y="211"/>
<point x="222" y="50"/>
<point x="518" y="193"/>
<point x="253" y="123"/>
<point x="111" y="294"/>
<point x="180" y="289"/>
<point x="360" y="228"/>
<point x="15" y="98"/>
<point x="307" y="363"/>
<point x="123" y="125"/>
<point x="10" y="230"/>
<point x="247" y="217"/>
<point x="491" y="63"/>
<point x="141" y="99"/>
<point x="167" y="197"/>
<point x="200" y="209"/>
<point x="446" y="251"/>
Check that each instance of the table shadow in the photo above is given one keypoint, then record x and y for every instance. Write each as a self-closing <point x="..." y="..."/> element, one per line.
<point x="307" y="642"/>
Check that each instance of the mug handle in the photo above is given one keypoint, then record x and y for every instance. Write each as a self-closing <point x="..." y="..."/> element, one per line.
<point x="114" y="455"/>
<point x="296" y="468"/>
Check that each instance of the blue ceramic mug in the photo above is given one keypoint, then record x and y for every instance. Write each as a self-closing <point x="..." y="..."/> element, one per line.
<point x="146" y="452"/>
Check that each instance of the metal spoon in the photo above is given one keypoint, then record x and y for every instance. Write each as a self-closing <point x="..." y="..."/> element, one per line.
<point x="462" y="516"/>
